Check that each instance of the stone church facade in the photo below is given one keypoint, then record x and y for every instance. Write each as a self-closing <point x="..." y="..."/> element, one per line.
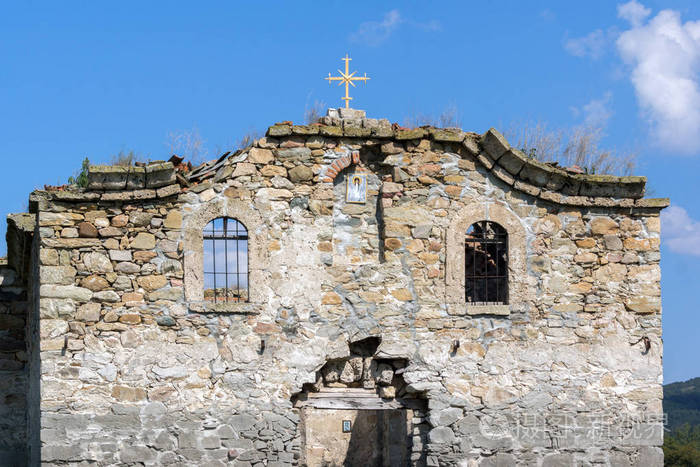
<point x="464" y="305"/>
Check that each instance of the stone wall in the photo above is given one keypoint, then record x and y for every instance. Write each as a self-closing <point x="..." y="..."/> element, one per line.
<point x="137" y="368"/>
<point x="13" y="376"/>
<point x="14" y="310"/>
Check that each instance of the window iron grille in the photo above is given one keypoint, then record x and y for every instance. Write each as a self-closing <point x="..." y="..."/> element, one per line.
<point x="486" y="264"/>
<point x="226" y="261"/>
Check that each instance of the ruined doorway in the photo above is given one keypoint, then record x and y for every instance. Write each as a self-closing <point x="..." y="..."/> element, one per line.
<point x="375" y="438"/>
<point x="358" y="413"/>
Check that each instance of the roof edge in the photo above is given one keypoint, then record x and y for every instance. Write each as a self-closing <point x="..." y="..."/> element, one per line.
<point x="491" y="149"/>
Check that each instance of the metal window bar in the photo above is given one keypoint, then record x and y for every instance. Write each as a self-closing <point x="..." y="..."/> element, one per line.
<point x="486" y="264"/>
<point x="226" y="229"/>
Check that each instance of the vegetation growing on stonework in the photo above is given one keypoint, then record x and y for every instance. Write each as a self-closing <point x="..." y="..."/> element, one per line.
<point x="122" y="158"/>
<point x="248" y="138"/>
<point x="449" y="118"/>
<point x="125" y="159"/>
<point x="577" y="146"/>
<point x="80" y="179"/>
<point x="187" y="144"/>
<point x="315" y="111"/>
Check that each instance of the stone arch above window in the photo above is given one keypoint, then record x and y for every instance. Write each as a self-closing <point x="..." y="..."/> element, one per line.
<point x="194" y="234"/>
<point x="455" y="277"/>
<point x="344" y="161"/>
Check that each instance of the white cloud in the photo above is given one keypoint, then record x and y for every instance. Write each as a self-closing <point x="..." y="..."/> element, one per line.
<point x="597" y="112"/>
<point x="591" y="45"/>
<point x="665" y="57"/>
<point x="374" y="33"/>
<point x="633" y="12"/>
<point x="679" y="231"/>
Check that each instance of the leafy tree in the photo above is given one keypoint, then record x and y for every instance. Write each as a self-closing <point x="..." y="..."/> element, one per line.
<point x="682" y="403"/>
<point x="682" y="447"/>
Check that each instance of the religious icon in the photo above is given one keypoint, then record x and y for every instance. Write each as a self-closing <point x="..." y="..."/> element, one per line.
<point x="356" y="191"/>
<point x="347" y="426"/>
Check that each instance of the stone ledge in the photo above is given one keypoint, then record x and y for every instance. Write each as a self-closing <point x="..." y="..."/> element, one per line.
<point x="415" y="133"/>
<point x="118" y="178"/>
<point x="448" y="135"/>
<point x="498" y="310"/>
<point x="128" y="195"/>
<point x="168" y="190"/>
<point x="327" y="131"/>
<point x="356" y="132"/>
<point x="305" y="129"/>
<point x="652" y="203"/>
<point x="71" y="243"/>
<point x="123" y="195"/>
<point x="346" y="113"/>
<point x="230" y="307"/>
<point x="158" y="175"/>
<point x="107" y="177"/>
<point x="279" y="130"/>
<point x="74" y="196"/>
<point x="548" y="177"/>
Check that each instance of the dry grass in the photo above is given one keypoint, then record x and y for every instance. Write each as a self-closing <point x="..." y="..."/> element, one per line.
<point x="248" y="138"/>
<point x="579" y="146"/>
<point x="188" y="144"/>
<point x="449" y="118"/>
<point x="126" y="158"/>
<point x="314" y="112"/>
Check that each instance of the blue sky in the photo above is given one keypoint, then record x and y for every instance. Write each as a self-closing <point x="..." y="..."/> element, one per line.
<point x="88" y="79"/>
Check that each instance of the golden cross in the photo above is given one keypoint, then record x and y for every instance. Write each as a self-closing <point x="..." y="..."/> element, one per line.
<point x="347" y="78"/>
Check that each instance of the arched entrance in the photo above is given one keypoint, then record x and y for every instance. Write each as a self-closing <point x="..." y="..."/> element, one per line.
<point x="358" y="413"/>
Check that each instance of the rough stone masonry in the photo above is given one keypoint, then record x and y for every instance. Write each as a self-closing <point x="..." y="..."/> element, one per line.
<point x="110" y="354"/>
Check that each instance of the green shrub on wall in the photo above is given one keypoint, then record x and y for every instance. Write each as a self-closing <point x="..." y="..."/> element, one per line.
<point x="81" y="178"/>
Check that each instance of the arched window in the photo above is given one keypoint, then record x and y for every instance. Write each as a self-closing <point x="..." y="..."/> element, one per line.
<point x="486" y="264"/>
<point x="225" y="261"/>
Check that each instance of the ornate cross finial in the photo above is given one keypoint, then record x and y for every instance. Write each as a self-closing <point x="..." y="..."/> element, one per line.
<point x="347" y="78"/>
